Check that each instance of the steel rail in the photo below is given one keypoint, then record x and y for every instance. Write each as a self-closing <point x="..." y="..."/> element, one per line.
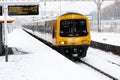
<point x="102" y="72"/>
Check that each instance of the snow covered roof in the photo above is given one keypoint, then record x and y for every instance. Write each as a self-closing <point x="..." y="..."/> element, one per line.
<point x="9" y="19"/>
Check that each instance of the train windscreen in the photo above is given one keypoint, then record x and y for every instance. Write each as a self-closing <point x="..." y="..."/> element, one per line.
<point x="73" y="28"/>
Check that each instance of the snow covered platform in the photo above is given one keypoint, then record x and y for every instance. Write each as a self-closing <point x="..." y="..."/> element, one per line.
<point x="106" y="37"/>
<point x="105" y="41"/>
<point x="35" y="61"/>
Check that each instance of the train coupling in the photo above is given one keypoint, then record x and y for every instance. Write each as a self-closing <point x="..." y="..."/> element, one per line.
<point x="76" y="52"/>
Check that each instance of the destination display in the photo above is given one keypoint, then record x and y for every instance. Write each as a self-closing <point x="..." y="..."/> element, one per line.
<point x="23" y="10"/>
<point x="0" y="10"/>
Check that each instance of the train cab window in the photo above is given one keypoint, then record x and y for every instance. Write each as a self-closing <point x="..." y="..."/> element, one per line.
<point x="71" y="28"/>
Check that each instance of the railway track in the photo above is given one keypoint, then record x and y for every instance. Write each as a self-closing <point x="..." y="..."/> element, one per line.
<point x="95" y="68"/>
<point x="78" y="60"/>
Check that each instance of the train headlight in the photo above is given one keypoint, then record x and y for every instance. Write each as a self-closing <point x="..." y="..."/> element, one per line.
<point x="84" y="42"/>
<point x="63" y="42"/>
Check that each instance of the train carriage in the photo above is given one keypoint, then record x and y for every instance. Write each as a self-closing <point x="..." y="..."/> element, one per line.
<point x="69" y="33"/>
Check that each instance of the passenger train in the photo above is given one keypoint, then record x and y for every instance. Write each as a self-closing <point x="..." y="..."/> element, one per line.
<point x="69" y="33"/>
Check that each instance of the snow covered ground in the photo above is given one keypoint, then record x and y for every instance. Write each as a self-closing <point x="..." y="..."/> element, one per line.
<point x="106" y="37"/>
<point x="35" y="61"/>
<point x="105" y="61"/>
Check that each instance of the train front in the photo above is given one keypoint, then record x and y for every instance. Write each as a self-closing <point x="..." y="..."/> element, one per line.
<point x="73" y="34"/>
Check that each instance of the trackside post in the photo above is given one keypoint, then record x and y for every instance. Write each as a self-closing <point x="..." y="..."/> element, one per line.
<point x="5" y="32"/>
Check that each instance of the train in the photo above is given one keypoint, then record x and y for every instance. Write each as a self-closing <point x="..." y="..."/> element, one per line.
<point x="69" y="33"/>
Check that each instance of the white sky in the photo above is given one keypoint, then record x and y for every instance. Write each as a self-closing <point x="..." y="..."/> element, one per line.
<point x="84" y="7"/>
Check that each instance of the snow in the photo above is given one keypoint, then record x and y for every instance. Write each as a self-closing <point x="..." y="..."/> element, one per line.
<point x="8" y="18"/>
<point x="34" y="60"/>
<point x="97" y="57"/>
<point x="102" y="60"/>
<point x="106" y="37"/>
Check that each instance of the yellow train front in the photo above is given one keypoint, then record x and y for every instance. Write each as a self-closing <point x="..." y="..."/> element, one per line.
<point x="68" y="33"/>
<point x="73" y="34"/>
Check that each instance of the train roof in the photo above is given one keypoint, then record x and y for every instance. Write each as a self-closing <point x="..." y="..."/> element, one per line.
<point x="71" y="13"/>
<point x="55" y="17"/>
<point x="46" y="19"/>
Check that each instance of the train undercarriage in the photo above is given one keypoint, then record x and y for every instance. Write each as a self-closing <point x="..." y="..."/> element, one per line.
<point x="73" y="51"/>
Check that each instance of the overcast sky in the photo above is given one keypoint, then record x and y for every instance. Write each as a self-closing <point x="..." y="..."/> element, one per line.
<point x="84" y="7"/>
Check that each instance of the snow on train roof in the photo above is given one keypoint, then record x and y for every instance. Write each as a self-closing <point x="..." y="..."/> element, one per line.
<point x="47" y="18"/>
